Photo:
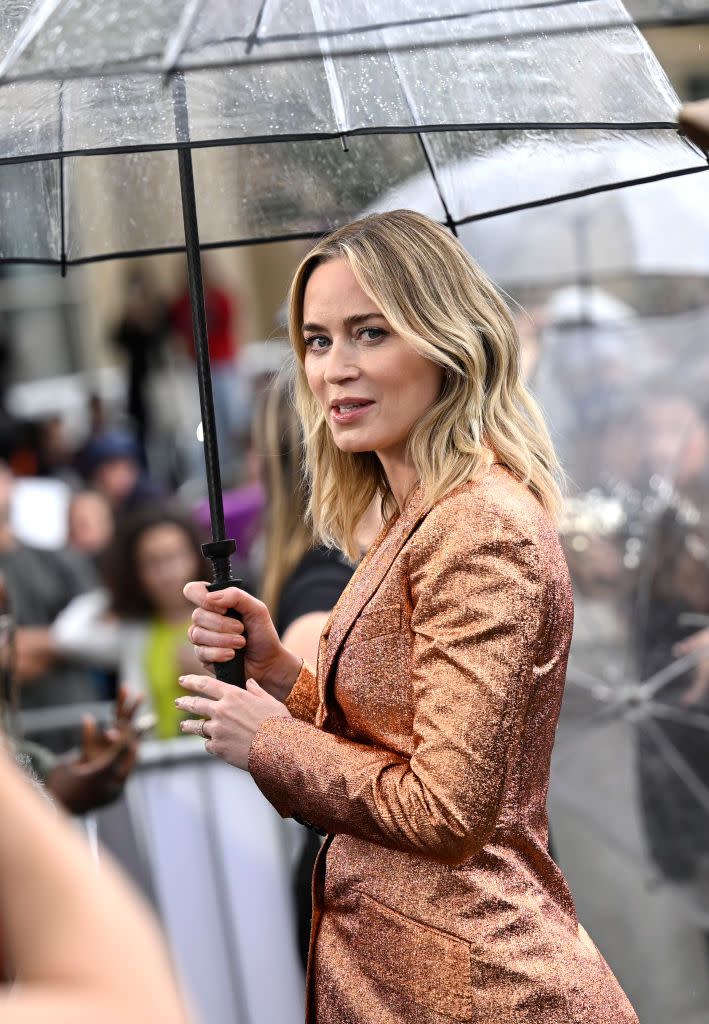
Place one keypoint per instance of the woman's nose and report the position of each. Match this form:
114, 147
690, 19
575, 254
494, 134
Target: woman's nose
339, 365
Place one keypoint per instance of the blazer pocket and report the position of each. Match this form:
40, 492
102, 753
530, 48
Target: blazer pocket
430, 966
376, 623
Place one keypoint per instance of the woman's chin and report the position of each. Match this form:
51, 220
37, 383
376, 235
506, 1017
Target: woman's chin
353, 445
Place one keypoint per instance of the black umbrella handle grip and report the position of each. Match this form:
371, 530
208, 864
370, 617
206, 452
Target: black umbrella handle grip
234, 671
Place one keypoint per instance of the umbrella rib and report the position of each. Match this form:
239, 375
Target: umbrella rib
177, 40
28, 31
674, 760
692, 719
670, 672
409, 100
336, 98
253, 38
579, 193
599, 689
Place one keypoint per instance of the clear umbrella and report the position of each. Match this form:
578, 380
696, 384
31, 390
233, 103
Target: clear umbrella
629, 800
272, 120
289, 148
657, 228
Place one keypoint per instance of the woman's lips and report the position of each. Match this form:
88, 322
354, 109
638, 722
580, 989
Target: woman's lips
351, 414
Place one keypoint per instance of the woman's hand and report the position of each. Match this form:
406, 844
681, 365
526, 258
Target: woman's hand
230, 716
216, 637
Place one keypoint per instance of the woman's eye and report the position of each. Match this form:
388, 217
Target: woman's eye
317, 342
372, 333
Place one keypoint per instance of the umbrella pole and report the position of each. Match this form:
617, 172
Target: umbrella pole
220, 549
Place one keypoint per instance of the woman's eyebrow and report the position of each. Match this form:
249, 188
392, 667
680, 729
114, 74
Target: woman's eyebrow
349, 321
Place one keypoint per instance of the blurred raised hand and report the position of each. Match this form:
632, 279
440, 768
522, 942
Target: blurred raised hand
96, 774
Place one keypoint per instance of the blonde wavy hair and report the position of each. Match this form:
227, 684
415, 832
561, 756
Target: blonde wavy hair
280, 444
435, 296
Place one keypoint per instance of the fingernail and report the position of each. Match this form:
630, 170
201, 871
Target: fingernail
181, 679
178, 702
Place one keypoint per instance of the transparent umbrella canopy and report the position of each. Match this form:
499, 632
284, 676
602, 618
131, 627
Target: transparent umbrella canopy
660, 228
629, 801
125, 125
291, 137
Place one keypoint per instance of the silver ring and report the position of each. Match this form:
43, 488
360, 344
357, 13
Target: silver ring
201, 731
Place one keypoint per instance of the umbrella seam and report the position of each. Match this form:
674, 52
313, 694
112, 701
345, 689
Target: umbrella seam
483, 126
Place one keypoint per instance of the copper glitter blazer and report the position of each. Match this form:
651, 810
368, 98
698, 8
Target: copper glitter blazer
422, 748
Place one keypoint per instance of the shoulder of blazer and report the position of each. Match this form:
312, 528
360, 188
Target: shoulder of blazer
498, 506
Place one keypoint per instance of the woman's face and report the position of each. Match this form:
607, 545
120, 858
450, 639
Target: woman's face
373, 385
165, 561
90, 523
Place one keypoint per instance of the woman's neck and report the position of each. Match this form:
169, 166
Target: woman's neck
400, 473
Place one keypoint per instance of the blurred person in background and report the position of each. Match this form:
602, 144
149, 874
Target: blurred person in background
77, 945
137, 625
84, 779
140, 335
225, 327
90, 524
672, 601
113, 465
581, 374
56, 456
41, 583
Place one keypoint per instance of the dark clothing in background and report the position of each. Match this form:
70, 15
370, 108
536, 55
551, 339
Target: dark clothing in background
143, 347
40, 584
674, 817
314, 585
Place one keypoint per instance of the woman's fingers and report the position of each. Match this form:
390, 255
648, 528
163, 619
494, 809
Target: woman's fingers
216, 622
205, 686
201, 706
209, 638
193, 727
222, 600
210, 655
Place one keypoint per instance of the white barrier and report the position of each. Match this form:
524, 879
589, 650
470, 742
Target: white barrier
213, 856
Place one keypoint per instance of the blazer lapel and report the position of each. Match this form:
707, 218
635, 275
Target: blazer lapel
363, 585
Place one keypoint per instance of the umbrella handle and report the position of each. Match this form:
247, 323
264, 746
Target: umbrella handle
234, 671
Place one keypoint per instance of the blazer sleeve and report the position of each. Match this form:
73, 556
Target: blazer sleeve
477, 597
302, 701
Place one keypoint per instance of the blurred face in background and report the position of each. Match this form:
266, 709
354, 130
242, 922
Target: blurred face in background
117, 478
90, 522
676, 442
372, 384
165, 560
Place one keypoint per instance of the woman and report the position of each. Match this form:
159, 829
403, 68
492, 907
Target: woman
422, 746
138, 626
